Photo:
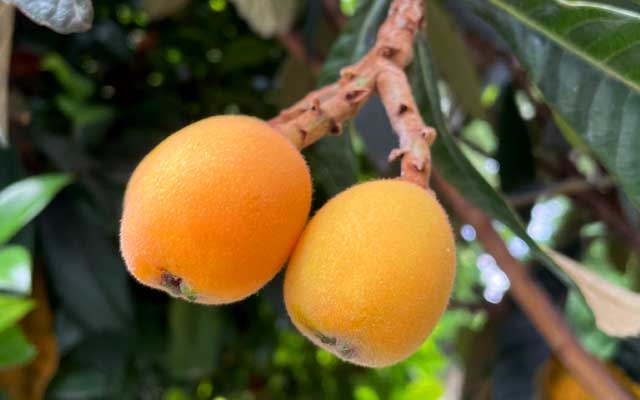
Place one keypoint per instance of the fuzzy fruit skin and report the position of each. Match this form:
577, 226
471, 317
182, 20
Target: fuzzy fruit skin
372, 273
220, 205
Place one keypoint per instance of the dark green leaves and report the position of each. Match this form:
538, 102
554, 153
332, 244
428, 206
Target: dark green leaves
13, 309
22, 201
63, 16
86, 272
195, 339
15, 349
355, 40
450, 161
75, 85
19, 204
584, 59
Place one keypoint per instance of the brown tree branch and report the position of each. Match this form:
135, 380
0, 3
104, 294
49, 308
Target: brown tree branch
607, 211
567, 187
381, 69
313, 98
415, 137
535, 302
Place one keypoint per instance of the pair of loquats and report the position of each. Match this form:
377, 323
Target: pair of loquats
215, 210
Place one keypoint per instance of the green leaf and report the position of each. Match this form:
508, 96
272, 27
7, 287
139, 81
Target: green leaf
12, 309
15, 349
332, 165
12, 170
86, 272
453, 165
90, 121
82, 113
453, 58
356, 38
331, 159
97, 368
24, 200
82, 384
195, 339
245, 52
15, 269
75, 84
583, 56
63, 16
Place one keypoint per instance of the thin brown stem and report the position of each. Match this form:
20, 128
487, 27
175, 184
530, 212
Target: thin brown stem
535, 302
415, 137
567, 187
316, 97
381, 69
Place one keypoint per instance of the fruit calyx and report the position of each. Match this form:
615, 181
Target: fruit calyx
177, 286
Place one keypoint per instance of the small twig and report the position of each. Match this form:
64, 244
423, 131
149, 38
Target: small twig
308, 121
609, 213
568, 187
381, 69
603, 206
415, 136
316, 97
535, 302
473, 146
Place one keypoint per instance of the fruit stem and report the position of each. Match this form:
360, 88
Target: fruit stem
177, 286
381, 71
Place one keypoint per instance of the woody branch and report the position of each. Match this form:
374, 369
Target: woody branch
381, 71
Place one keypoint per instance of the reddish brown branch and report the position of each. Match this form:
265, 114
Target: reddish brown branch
600, 206
535, 303
567, 187
381, 69
316, 97
415, 136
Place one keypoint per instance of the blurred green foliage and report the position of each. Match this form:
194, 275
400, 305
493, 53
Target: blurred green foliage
20, 202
